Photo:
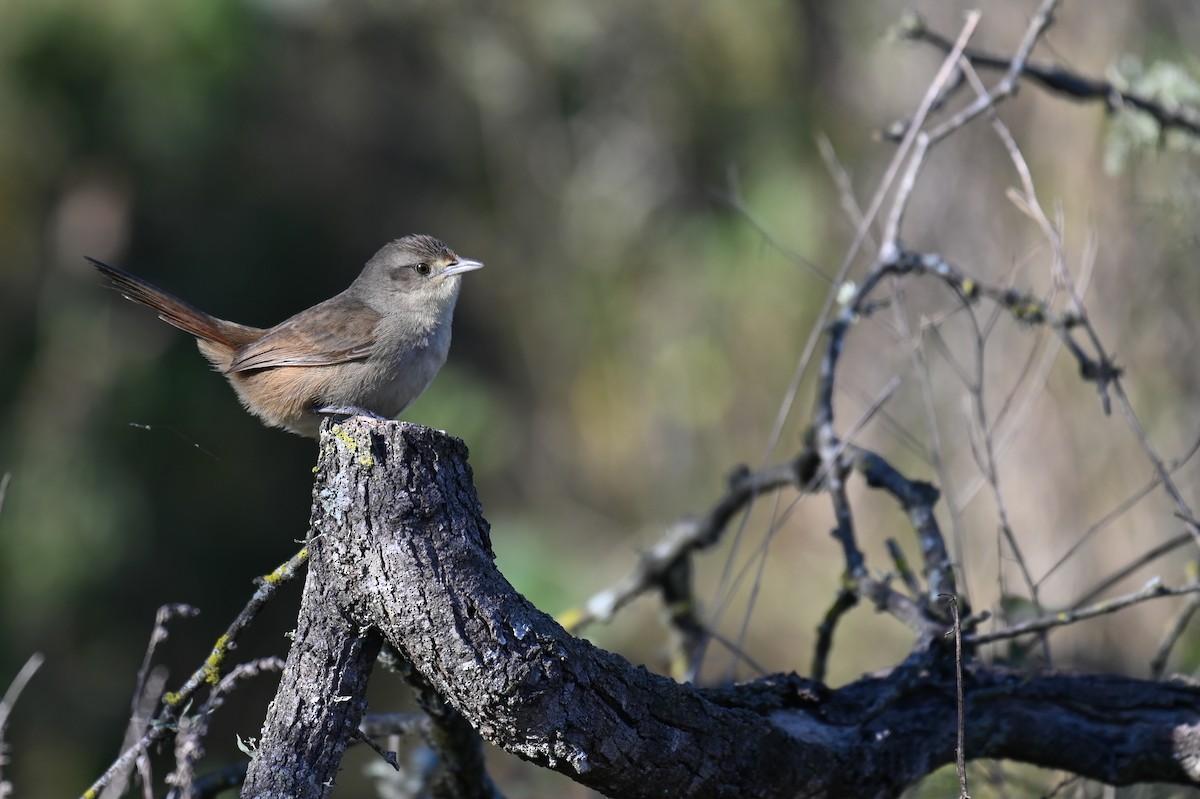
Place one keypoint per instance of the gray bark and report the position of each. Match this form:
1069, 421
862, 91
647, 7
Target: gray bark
401, 553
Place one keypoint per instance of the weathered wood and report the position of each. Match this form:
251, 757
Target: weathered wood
401, 552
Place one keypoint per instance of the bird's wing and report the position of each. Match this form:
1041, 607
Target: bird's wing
342, 335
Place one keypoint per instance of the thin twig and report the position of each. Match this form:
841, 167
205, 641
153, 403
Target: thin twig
935, 450
891, 255
1113, 515
985, 457
458, 747
738, 203
1065, 82
830, 463
12, 694
860, 236
146, 695
4, 481
209, 673
960, 755
158, 634
1102, 371
919, 141
842, 603
150, 684
1166, 547
189, 741
689, 535
739, 653
845, 190
989, 464
827, 441
925, 140
1152, 590
379, 724
1158, 664
221, 780
387, 756
903, 568
1185, 512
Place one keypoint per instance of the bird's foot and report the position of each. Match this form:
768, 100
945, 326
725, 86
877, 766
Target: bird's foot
347, 411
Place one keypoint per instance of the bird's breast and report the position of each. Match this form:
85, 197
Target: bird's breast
405, 367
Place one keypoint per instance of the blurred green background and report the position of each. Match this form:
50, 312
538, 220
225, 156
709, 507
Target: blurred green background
630, 340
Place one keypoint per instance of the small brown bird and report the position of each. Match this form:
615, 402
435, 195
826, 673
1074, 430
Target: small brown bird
370, 350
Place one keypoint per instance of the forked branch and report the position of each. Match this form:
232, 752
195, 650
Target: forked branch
401, 553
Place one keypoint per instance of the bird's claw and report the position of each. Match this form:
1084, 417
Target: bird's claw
350, 410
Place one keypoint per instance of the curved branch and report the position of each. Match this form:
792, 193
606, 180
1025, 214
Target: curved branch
401, 550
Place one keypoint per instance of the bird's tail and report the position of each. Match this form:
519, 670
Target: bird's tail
175, 311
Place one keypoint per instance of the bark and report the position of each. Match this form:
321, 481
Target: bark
400, 551
321, 697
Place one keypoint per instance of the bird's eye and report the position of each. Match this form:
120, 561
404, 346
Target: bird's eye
423, 269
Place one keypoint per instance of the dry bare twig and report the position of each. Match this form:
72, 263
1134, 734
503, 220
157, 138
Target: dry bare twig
146, 694
960, 753
1158, 663
9, 700
193, 727
1059, 80
207, 674
1154, 589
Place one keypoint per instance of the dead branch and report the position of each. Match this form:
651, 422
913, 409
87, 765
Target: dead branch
400, 552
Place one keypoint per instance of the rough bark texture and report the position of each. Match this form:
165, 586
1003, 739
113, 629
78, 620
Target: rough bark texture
321, 697
400, 549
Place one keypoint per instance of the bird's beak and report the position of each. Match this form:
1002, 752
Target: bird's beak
460, 266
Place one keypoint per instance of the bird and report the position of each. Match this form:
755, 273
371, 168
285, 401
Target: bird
370, 350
